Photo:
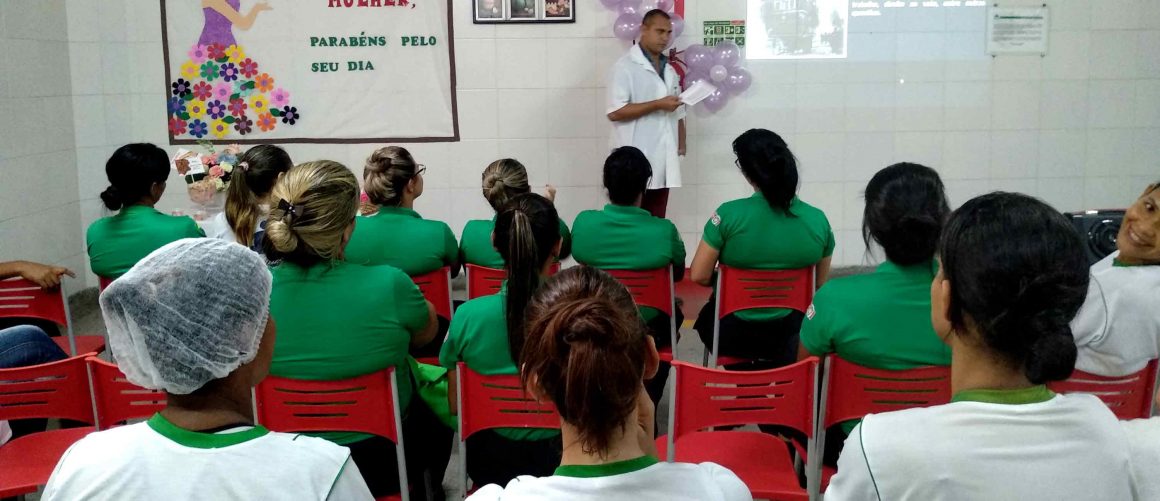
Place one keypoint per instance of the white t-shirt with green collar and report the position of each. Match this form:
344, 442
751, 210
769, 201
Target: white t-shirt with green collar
158, 460
640, 479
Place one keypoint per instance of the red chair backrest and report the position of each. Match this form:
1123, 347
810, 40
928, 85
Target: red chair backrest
117, 400
487, 402
1129, 397
711, 397
483, 281
363, 404
21, 298
54, 390
436, 287
652, 288
739, 289
853, 391
103, 283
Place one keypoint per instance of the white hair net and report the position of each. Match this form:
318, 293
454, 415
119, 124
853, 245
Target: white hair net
191, 312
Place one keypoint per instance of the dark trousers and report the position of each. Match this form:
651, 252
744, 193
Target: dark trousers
432, 349
769, 344
494, 459
428, 444
656, 202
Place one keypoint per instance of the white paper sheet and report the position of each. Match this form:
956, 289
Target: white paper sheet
697, 93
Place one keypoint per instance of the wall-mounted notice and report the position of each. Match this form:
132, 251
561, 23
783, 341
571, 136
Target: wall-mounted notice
1017, 30
720, 31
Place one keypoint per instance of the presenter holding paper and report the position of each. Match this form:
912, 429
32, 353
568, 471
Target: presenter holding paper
645, 110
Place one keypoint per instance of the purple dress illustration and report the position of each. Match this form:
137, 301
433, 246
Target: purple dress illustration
221, 91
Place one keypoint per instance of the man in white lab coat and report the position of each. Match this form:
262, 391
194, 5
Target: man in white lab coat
645, 110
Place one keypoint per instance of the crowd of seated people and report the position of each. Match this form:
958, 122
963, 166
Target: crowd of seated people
999, 290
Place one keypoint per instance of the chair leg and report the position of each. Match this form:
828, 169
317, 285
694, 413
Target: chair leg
705, 359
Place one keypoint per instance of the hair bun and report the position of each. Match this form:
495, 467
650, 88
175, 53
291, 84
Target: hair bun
1052, 357
112, 198
281, 236
1040, 328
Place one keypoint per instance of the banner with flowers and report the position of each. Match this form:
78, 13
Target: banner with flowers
309, 71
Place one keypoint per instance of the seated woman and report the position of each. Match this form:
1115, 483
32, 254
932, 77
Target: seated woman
584, 333
137, 174
204, 444
1117, 330
502, 180
1012, 276
342, 320
882, 320
397, 235
487, 334
771, 230
247, 202
624, 236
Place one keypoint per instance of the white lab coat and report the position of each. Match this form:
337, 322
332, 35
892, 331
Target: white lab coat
635, 80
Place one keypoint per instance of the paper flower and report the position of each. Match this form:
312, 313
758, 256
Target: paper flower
229, 72
176, 105
190, 70
196, 109
216, 109
264, 82
279, 98
267, 122
197, 129
259, 104
202, 91
244, 125
243, 88
209, 71
216, 51
238, 107
232, 150
290, 115
181, 87
198, 54
226, 167
176, 126
218, 184
219, 128
222, 91
216, 171
236, 54
248, 67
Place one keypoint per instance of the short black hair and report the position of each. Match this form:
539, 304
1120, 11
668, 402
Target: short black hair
906, 205
626, 175
1018, 275
648, 16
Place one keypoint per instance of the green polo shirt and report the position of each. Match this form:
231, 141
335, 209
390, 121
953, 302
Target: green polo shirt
623, 237
478, 337
475, 246
117, 242
340, 320
401, 238
751, 235
879, 320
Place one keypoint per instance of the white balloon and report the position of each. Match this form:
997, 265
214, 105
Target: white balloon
718, 73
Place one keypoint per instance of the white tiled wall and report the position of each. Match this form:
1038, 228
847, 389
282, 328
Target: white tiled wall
39, 216
1077, 127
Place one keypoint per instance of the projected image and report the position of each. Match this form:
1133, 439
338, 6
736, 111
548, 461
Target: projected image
797, 29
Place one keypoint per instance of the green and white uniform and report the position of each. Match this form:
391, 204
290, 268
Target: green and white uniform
117, 242
401, 238
475, 246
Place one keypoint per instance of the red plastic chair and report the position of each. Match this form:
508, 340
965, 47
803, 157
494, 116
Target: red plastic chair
53, 390
21, 298
483, 281
655, 289
103, 283
704, 398
487, 402
739, 289
1129, 397
363, 404
436, 287
116, 399
851, 391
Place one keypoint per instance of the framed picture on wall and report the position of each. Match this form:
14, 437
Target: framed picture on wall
524, 11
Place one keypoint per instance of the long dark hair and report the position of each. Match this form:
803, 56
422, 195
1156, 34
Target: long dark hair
253, 179
526, 230
1017, 270
906, 206
766, 161
132, 171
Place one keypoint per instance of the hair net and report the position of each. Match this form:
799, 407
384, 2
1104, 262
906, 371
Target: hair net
191, 312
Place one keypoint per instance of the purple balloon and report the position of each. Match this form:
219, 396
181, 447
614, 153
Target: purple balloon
678, 26
727, 54
627, 27
630, 7
699, 58
718, 74
665, 5
739, 80
611, 4
693, 77
716, 101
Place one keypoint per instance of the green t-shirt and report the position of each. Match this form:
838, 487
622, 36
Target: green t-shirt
751, 235
475, 246
341, 320
478, 337
879, 320
622, 237
117, 242
403, 239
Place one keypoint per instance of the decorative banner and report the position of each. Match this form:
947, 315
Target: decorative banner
720, 31
309, 71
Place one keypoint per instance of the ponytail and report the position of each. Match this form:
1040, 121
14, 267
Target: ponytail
254, 176
769, 165
526, 231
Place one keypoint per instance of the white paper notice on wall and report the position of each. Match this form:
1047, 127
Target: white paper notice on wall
1018, 30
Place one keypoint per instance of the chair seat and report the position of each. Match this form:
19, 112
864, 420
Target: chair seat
727, 360
85, 344
28, 461
666, 354
760, 460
